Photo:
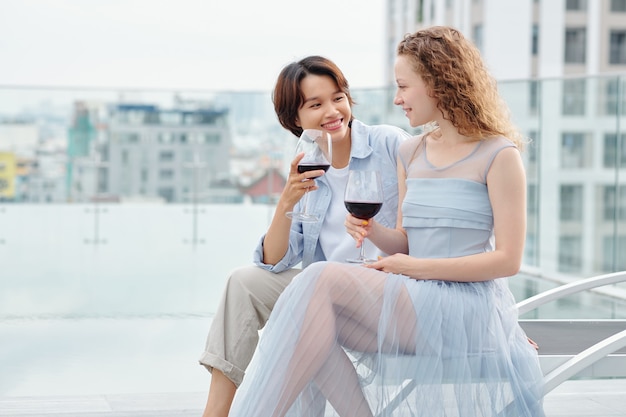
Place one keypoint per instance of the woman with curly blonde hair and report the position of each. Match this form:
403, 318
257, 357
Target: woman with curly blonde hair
438, 311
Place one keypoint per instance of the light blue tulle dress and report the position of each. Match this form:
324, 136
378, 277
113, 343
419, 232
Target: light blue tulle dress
344, 339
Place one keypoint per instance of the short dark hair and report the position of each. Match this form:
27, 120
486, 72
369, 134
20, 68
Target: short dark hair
287, 96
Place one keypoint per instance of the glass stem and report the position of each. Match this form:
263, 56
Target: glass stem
362, 256
305, 201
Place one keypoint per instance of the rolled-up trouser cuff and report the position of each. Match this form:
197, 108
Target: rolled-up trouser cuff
230, 371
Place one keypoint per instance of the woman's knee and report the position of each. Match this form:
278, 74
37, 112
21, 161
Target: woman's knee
316, 271
323, 273
257, 285
317, 268
244, 276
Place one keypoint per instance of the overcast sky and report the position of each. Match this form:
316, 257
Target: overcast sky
204, 44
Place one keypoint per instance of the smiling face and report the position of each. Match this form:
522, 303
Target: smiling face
325, 107
412, 95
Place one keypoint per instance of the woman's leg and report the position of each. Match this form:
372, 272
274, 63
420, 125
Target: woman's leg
345, 307
246, 303
221, 394
339, 383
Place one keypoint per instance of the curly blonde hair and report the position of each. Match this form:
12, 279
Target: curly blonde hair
454, 73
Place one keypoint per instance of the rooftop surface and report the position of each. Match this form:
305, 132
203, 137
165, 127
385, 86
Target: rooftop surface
576, 398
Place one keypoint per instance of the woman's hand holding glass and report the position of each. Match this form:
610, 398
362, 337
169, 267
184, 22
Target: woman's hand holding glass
359, 229
298, 183
313, 154
363, 199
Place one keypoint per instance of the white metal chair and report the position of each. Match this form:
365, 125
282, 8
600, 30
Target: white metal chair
567, 348
579, 347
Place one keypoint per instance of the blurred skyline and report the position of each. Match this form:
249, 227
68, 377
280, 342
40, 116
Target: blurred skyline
228, 45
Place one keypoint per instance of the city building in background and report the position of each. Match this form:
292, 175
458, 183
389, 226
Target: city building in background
7, 176
523, 39
173, 154
19, 142
81, 172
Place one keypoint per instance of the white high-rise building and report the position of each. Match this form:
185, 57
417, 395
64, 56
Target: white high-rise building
522, 39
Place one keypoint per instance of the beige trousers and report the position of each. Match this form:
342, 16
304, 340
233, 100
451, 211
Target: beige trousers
245, 307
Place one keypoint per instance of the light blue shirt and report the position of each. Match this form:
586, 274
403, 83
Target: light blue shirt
373, 148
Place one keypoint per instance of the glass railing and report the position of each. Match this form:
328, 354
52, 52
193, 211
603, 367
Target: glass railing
139, 202
575, 162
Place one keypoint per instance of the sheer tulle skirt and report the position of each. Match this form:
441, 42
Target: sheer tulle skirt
343, 339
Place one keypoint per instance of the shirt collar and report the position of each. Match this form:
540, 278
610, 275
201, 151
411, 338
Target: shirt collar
360, 147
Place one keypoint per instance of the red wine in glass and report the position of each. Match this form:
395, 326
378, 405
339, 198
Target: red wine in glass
363, 210
312, 167
317, 148
363, 199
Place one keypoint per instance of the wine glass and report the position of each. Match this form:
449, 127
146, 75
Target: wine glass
318, 154
363, 199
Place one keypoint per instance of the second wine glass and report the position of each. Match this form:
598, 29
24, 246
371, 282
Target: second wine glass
363, 199
318, 154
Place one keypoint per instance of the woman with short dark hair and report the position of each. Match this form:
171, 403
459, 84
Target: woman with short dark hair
309, 94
